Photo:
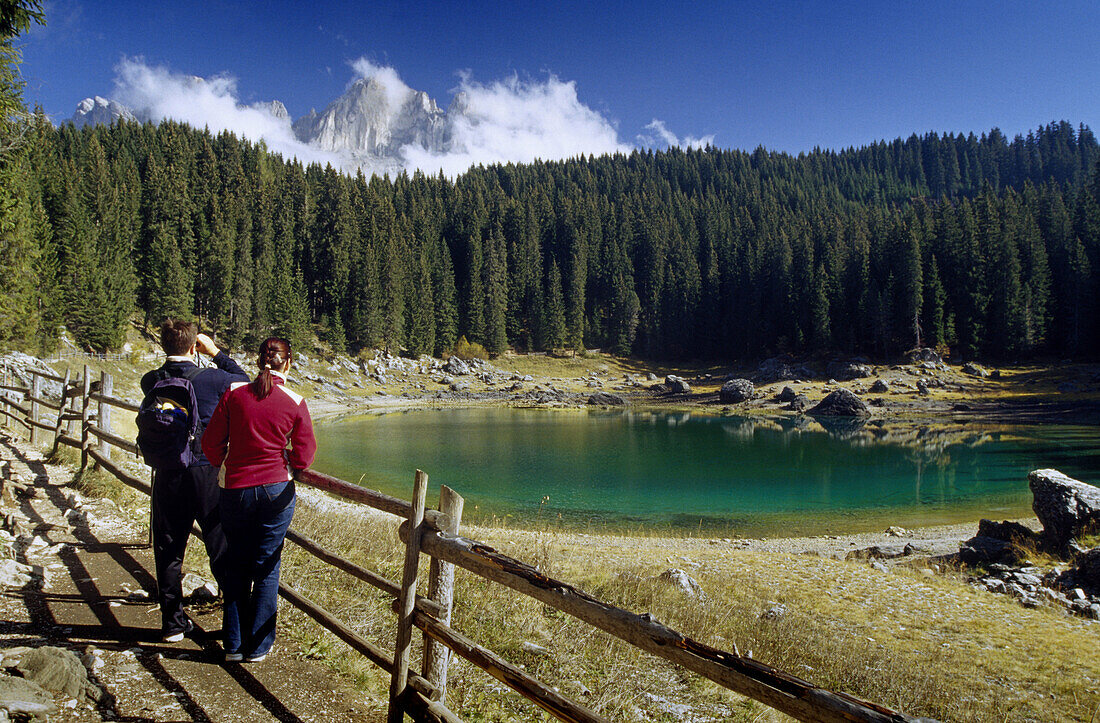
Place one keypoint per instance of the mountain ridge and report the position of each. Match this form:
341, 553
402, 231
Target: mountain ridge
369, 125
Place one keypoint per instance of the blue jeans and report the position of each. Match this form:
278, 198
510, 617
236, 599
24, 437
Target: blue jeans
255, 520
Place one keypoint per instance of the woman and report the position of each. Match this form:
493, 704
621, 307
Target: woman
247, 438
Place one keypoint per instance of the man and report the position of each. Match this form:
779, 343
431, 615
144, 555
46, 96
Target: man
180, 497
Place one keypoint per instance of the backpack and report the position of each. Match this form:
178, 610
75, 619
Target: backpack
168, 422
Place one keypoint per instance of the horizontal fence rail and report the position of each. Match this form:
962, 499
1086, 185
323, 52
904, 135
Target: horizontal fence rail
434, 533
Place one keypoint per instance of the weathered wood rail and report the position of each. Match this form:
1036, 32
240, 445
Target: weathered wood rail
434, 533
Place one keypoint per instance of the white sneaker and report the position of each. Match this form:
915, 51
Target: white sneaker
178, 637
233, 657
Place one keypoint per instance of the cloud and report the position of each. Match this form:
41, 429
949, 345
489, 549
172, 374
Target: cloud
661, 137
157, 93
518, 121
396, 90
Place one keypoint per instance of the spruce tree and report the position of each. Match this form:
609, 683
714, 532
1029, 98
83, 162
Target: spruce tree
421, 337
496, 292
289, 307
553, 325
446, 300
474, 296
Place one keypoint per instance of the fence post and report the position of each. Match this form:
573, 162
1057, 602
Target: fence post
441, 588
103, 411
73, 408
85, 407
4, 395
406, 602
36, 392
61, 413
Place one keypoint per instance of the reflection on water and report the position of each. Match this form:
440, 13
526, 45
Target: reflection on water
842, 427
726, 475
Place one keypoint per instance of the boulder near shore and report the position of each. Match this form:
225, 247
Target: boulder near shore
1067, 507
1068, 510
841, 403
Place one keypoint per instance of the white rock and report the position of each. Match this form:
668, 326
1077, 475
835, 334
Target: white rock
192, 583
17, 575
682, 582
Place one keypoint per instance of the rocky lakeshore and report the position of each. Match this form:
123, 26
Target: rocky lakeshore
840, 396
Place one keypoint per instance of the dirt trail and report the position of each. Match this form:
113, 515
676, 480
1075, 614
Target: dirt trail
93, 558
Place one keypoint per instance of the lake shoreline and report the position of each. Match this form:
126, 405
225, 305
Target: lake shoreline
914, 397
927, 541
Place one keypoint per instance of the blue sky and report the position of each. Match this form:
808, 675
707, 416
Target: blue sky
786, 75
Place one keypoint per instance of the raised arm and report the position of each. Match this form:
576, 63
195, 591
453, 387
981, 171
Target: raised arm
221, 360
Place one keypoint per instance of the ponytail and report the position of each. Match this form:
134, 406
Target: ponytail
274, 354
263, 384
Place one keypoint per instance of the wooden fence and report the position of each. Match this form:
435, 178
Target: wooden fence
80, 417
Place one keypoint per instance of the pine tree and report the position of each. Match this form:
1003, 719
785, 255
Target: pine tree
393, 290
421, 337
97, 270
496, 292
272, 229
553, 325
242, 291
21, 240
474, 297
820, 325
908, 284
446, 300
1079, 299
289, 307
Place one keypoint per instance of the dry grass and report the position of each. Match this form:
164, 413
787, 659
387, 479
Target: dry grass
928, 645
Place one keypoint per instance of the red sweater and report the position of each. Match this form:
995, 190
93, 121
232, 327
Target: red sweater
247, 437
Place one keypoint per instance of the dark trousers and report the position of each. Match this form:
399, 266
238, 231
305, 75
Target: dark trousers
256, 520
180, 498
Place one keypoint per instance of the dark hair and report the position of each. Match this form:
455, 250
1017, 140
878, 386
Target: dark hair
274, 352
177, 337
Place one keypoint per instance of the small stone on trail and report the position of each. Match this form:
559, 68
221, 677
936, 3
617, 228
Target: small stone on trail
24, 700
60, 670
15, 574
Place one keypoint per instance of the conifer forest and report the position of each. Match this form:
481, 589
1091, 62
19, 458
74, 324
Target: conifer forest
980, 245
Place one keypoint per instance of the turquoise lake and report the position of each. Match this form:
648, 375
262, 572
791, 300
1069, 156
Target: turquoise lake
688, 474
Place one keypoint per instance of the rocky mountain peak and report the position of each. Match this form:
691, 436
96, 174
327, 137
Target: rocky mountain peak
375, 119
96, 110
274, 107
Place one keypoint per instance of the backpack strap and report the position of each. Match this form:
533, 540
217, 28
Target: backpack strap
191, 373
